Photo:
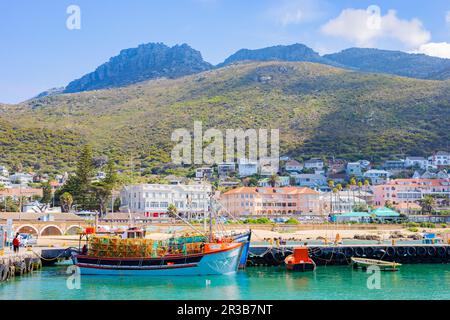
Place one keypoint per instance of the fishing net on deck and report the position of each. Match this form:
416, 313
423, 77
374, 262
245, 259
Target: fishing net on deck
116, 247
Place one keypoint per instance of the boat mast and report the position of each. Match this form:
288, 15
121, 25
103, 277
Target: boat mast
210, 217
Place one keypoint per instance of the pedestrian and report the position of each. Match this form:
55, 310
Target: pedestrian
16, 243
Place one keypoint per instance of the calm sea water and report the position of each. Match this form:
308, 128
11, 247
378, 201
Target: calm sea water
412, 282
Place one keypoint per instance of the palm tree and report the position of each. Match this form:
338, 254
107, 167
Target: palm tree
427, 203
66, 201
273, 180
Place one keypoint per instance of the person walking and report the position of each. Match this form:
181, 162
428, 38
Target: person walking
16, 243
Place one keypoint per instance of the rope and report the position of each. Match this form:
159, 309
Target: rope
52, 259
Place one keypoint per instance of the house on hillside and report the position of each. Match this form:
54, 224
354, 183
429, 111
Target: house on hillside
226, 168
418, 162
314, 164
354, 169
313, 181
377, 176
247, 168
293, 166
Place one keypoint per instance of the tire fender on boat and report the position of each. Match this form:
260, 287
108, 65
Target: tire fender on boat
349, 252
411, 251
431, 251
441, 251
401, 251
390, 251
369, 251
359, 252
421, 251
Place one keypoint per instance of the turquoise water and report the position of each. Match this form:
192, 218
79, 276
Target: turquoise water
411, 282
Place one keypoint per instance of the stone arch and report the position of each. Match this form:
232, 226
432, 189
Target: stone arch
74, 229
51, 230
27, 228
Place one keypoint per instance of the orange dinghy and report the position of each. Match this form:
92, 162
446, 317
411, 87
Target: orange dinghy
300, 260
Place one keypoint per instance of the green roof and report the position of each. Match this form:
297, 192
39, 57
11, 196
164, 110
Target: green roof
385, 212
354, 214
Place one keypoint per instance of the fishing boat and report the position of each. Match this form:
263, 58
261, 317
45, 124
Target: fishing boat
190, 255
300, 260
383, 265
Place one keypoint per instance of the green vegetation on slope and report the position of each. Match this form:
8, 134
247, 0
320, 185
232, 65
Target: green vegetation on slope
320, 111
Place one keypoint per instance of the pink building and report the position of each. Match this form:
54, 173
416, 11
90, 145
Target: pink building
409, 190
271, 201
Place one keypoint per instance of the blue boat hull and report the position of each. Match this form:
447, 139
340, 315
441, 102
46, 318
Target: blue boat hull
244, 238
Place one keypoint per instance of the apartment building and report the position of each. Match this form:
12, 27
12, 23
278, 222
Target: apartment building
409, 190
271, 201
154, 199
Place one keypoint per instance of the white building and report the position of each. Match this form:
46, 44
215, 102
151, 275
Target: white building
354, 169
21, 178
247, 168
314, 163
340, 202
309, 180
4, 181
377, 176
419, 162
4, 171
204, 173
154, 199
226, 168
441, 158
293, 166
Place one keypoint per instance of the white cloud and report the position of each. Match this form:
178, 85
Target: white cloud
435, 49
367, 30
447, 17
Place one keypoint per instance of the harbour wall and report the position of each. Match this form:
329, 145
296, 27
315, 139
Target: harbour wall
341, 255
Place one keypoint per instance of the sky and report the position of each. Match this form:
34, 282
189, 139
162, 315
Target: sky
46, 44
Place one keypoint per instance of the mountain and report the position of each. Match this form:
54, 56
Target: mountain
295, 52
443, 74
156, 60
50, 92
147, 61
320, 111
391, 62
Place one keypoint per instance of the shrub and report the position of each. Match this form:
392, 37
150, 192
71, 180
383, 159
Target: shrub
413, 229
292, 221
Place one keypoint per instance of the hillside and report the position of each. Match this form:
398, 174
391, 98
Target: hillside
148, 61
320, 110
392, 62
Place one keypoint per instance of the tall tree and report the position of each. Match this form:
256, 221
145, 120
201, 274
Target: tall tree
79, 185
46, 193
102, 190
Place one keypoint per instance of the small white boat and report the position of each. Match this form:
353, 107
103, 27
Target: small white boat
383, 265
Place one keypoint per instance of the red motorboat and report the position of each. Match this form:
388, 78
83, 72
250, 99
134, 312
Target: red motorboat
300, 260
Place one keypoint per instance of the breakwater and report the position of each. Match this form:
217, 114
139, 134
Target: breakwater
261, 255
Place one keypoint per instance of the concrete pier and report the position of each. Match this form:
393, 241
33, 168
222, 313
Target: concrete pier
18, 264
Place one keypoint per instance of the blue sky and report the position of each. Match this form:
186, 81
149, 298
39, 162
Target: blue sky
39, 52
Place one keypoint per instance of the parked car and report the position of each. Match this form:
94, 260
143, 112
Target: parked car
27, 239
